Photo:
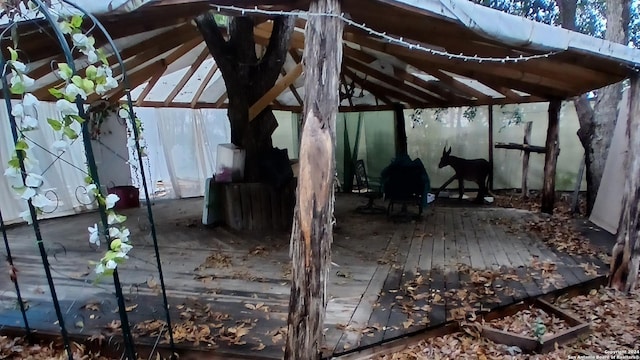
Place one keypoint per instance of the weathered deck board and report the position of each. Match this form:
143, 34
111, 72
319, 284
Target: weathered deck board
390, 279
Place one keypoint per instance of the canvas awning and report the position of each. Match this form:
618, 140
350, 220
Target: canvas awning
450, 60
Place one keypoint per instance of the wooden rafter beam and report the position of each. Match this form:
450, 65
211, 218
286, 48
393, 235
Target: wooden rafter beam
276, 90
399, 84
498, 71
147, 89
203, 85
375, 90
221, 100
292, 88
204, 54
440, 94
362, 107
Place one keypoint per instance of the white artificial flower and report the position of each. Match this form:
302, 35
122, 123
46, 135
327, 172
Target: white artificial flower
12, 172
19, 66
112, 218
125, 248
81, 40
17, 111
30, 100
60, 145
91, 188
114, 233
72, 91
99, 268
30, 163
92, 57
28, 193
28, 123
123, 113
41, 201
94, 235
124, 235
26, 216
25, 80
66, 108
65, 27
105, 71
33, 180
131, 143
111, 264
111, 200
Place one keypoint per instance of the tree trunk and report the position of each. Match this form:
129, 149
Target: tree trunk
626, 252
551, 158
312, 231
248, 78
598, 123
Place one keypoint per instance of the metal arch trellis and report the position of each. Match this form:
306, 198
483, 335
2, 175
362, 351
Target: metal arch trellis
126, 330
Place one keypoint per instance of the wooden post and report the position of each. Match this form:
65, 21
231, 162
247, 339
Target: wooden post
625, 257
312, 231
401, 132
551, 156
491, 147
525, 159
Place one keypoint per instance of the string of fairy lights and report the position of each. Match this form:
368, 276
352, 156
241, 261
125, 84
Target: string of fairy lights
383, 35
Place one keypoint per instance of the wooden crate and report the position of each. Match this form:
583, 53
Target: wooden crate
530, 344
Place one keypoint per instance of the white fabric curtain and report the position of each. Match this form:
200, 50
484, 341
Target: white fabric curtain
182, 147
64, 175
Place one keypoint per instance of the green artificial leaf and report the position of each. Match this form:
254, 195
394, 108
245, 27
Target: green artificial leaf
76, 21
14, 54
70, 133
87, 86
56, 93
55, 124
77, 81
91, 72
65, 69
77, 118
14, 162
18, 88
115, 244
22, 145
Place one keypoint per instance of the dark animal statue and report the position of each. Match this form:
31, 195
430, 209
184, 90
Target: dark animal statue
476, 170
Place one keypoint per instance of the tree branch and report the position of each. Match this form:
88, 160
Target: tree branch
277, 49
217, 45
242, 40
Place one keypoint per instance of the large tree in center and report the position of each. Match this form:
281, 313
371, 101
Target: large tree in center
248, 77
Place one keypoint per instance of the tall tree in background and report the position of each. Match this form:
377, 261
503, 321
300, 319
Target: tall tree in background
248, 77
597, 123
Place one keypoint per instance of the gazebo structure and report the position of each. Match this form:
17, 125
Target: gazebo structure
416, 53
420, 54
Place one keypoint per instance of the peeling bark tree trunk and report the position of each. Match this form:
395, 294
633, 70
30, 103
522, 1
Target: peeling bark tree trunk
625, 258
598, 123
551, 158
248, 78
312, 232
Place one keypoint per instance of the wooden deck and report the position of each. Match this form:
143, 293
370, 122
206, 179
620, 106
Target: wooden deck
229, 291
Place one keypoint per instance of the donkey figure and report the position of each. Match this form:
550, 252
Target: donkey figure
476, 170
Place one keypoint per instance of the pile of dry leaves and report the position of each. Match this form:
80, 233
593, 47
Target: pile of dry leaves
557, 231
614, 326
19, 348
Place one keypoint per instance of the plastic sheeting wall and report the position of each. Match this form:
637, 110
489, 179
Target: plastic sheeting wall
469, 138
